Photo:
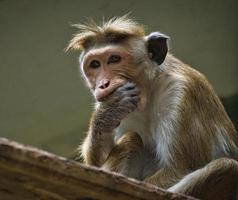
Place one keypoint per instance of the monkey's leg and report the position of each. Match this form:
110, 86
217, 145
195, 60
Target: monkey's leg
126, 150
164, 178
217, 180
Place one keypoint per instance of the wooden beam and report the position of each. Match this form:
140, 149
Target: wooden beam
30, 173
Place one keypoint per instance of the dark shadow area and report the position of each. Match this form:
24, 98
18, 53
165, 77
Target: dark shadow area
231, 105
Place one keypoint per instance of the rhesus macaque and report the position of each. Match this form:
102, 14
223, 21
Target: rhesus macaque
156, 119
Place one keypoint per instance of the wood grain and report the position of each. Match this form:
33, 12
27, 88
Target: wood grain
30, 173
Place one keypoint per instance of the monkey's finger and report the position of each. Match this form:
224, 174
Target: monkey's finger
130, 102
133, 93
130, 86
127, 86
135, 100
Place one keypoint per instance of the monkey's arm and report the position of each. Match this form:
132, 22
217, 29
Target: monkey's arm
100, 139
96, 146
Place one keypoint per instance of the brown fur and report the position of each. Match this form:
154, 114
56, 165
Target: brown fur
209, 111
128, 146
195, 129
114, 30
218, 180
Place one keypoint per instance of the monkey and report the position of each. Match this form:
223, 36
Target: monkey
156, 119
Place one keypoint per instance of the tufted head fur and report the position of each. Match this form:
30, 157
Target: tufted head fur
115, 30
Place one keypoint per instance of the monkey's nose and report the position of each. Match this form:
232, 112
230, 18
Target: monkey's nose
104, 83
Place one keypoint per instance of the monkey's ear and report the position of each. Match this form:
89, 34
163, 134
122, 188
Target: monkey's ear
157, 46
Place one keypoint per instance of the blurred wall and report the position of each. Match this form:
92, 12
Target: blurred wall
43, 100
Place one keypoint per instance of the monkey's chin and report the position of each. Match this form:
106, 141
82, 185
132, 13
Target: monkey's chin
102, 94
102, 97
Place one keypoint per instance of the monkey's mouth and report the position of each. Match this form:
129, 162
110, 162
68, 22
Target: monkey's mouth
102, 94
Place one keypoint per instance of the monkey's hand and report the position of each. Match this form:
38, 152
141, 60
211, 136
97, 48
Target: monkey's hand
116, 107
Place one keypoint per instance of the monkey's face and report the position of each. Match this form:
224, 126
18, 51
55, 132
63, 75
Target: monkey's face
117, 52
107, 68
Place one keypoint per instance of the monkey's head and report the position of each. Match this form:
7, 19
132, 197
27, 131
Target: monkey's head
117, 52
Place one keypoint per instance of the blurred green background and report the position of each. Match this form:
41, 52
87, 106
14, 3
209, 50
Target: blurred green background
43, 100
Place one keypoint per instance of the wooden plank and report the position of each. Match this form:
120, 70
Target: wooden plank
30, 173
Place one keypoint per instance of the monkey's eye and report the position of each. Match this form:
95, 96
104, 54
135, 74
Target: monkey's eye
95, 64
114, 59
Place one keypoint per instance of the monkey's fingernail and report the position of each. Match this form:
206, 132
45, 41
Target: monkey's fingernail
130, 84
130, 87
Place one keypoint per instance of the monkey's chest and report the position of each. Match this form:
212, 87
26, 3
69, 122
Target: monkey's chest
147, 163
136, 122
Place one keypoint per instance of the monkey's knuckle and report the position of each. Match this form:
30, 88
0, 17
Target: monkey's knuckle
137, 91
136, 99
131, 106
130, 84
125, 101
120, 89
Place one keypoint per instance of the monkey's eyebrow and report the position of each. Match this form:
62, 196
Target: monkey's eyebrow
116, 37
109, 49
